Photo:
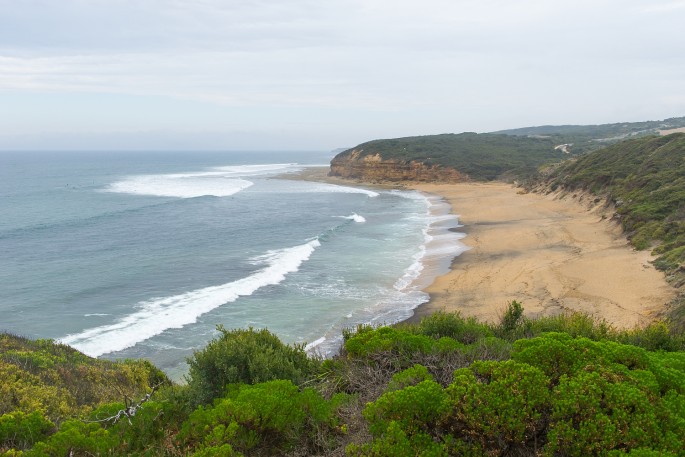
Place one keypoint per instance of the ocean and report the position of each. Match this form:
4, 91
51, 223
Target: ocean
128, 255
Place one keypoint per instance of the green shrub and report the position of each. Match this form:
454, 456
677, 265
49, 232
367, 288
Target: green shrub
490, 348
409, 377
224, 450
657, 336
245, 356
598, 411
512, 318
270, 417
454, 326
416, 408
498, 404
388, 339
669, 370
77, 438
573, 323
396, 443
19, 430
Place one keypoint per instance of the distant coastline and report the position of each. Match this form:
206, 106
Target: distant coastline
550, 253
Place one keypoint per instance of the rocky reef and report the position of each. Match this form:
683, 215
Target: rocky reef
353, 164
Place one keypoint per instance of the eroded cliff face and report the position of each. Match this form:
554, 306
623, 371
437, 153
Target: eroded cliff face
372, 168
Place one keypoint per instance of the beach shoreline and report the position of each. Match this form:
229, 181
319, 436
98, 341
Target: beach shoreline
552, 253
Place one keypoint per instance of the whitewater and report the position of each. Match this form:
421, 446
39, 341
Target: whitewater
142, 255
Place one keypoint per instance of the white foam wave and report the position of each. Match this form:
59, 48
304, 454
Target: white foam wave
314, 344
355, 217
440, 245
221, 182
182, 186
413, 272
157, 315
316, 187
259, 170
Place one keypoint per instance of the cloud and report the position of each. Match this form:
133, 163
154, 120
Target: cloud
396, 66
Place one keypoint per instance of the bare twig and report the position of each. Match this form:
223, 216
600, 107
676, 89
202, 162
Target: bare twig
130, 409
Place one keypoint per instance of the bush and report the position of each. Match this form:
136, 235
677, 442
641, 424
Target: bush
77, 438
388, 339
512, 318
396, 443
269, 418
19, 430
498, 405
244, 356
656, 336
598, 411
556, 354
409, 377
453, 325
416, 409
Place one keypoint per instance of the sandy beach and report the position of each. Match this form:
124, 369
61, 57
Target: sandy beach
552, 254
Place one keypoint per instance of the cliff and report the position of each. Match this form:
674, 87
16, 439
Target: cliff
373, 168
446, 158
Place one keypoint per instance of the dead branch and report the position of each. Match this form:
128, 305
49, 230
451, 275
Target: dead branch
131, 408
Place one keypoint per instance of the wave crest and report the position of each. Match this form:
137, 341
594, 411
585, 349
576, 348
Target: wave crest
159, 314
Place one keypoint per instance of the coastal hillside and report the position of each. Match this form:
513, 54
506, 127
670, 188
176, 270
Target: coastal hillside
645, 180
505, 155
448, 157
586, 138
44, 385
563, 385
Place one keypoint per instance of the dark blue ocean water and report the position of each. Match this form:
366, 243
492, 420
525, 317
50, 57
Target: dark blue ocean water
143, 254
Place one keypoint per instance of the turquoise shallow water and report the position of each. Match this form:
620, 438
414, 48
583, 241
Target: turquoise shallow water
142, 255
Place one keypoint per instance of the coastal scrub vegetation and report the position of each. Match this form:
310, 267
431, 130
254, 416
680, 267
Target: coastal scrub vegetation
587, 138
449, 385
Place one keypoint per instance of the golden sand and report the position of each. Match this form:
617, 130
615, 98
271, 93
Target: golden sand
550, 253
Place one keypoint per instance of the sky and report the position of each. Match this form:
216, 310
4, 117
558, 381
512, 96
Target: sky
325, 74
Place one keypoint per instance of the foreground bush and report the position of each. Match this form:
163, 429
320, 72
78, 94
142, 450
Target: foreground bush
559, 386
269, 418
558, 396
245, 356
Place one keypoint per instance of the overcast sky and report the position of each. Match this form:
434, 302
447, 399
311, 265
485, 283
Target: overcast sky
322, 74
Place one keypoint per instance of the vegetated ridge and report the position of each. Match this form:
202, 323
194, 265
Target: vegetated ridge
505, 155
586, 138
563, 385
448, 157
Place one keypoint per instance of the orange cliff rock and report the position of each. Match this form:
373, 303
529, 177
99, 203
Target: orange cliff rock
373, 168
